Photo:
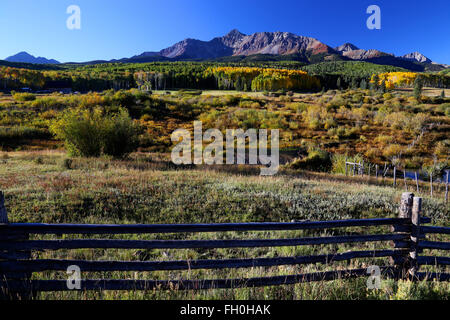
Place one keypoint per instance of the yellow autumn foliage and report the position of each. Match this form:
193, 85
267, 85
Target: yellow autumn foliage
395, 79
266, 79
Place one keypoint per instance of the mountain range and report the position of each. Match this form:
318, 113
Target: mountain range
28, 58
268, 44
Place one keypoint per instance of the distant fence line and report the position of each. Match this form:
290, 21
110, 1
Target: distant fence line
362, 168
407, 235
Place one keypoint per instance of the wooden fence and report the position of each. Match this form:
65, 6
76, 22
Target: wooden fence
406, 236
364, 168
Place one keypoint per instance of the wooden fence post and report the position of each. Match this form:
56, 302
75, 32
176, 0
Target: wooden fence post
417, 182
3, 220
3, 213
431, 184
13, 255
446, 186
415, 235
406, 205
395, 176
404, 180
400, 262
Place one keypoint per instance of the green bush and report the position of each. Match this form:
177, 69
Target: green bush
46, 103
14, 134
82, 131
120, 135
444, 108
338, 162
91, 133
22, 97
316, 160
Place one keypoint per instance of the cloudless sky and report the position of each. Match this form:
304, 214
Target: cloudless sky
116, 29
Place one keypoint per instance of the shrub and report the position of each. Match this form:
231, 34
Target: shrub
317, 159
25, 96
249, 104
442, 148
46, 103
120, 135
39, 160
338, 162
66, 164
82, 131
414, 163
392, 150
90, 133
124, 98
383, 139
329, 123
387, 96
14, 134
298, 107
444, 108
372, 153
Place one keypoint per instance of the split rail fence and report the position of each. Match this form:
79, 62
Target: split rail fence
407, 236
362, 168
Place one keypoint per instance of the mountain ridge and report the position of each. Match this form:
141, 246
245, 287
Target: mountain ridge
25, 57
236, 43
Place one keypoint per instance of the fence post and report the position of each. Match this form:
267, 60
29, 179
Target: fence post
406, 205
395, 176
3, 213
404, 179
415, 235
346, 167
13, 255
431, 184
446, 186
3, 221
400, 262
417, 182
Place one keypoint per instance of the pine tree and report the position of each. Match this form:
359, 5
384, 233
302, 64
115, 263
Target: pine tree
338, 83
375, 82
383, 86
418, 87
363, 84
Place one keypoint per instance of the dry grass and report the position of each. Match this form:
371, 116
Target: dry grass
39, 188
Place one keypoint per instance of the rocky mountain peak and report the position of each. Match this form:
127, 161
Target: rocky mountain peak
232, 38
346, 47
416, 56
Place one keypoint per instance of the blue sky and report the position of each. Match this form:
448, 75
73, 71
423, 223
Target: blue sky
116, 29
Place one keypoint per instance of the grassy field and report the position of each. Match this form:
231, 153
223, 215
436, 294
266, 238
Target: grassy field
378, 127
45, 186
429, 92
317, 132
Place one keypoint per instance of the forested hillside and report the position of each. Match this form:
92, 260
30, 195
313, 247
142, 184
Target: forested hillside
198, 75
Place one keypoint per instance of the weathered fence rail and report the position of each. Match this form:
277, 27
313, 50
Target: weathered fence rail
406, 234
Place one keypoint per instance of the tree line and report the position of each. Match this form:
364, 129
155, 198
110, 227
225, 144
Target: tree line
269, 76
